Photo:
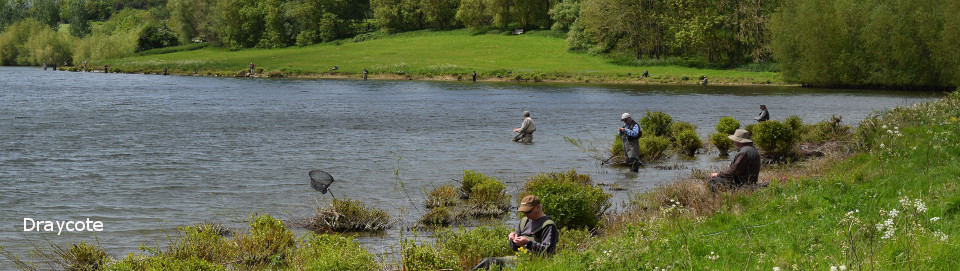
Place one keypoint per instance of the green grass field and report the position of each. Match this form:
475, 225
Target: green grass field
434, 55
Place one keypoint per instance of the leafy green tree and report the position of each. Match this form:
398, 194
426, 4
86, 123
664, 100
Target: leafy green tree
532, 13
155, 36
47, 12
190, 19
473, 14
75, 12
564, 14
240, 23
276, 31
865, 43
331, 27
635, 26
398, 15
12, 11
99, 10
439, 14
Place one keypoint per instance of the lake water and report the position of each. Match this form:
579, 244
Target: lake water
147, 153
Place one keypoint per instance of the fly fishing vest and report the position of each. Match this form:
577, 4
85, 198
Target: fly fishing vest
535, 233
629, 126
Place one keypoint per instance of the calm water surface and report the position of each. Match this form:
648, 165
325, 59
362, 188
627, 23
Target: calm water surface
145, 153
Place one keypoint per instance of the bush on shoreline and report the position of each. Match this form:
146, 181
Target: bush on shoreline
569, 198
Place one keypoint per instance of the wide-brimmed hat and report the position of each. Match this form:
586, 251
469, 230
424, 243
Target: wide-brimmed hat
741, 135
528, 203
625, 116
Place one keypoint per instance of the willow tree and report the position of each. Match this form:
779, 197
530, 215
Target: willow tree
637, 26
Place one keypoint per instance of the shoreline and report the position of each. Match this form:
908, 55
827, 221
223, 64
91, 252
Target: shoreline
526, 77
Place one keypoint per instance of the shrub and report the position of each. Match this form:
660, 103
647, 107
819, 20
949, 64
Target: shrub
471, 246
678, 127
269, 242
656, 123
167, 263
827, 130
349, 215
775, 138
444, 195
438, 216
795, 123
333, 252
202, 241
489, 198
486, 195
722, 142
470, 180
728, 125
569, 198
83, 256
652, 147
688, 141
426, 257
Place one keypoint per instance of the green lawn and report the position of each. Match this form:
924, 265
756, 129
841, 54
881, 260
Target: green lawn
428, 54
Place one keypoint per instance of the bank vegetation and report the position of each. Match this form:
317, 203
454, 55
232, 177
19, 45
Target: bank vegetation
848, 43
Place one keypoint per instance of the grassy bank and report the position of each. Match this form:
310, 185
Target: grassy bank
893, 206
447, 55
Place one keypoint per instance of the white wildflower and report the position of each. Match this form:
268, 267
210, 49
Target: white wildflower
776, 268
940, 235
921, 208
882, 146
889, 132
833, 268
884, 126
843, 268
894, 213
935, 219
888, 234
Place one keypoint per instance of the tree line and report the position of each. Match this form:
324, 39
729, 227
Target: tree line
816, 42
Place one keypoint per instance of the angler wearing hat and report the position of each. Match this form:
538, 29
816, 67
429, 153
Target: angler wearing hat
744, 169
536, 233
526, 129
630, 136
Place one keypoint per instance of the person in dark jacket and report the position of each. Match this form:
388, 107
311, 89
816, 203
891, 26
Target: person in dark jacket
764, 114
536, 233
630, 136
743, 170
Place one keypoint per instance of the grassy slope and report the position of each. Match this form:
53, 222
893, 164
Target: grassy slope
804, 222
431, 54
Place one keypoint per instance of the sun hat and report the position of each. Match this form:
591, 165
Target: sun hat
526, 113
741, 135
625, 116
528, 203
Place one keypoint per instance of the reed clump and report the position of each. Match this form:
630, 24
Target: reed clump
486, 196
349, 215
440, 196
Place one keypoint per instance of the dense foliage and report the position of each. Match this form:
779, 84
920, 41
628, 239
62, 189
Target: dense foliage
868, 42
818, 42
